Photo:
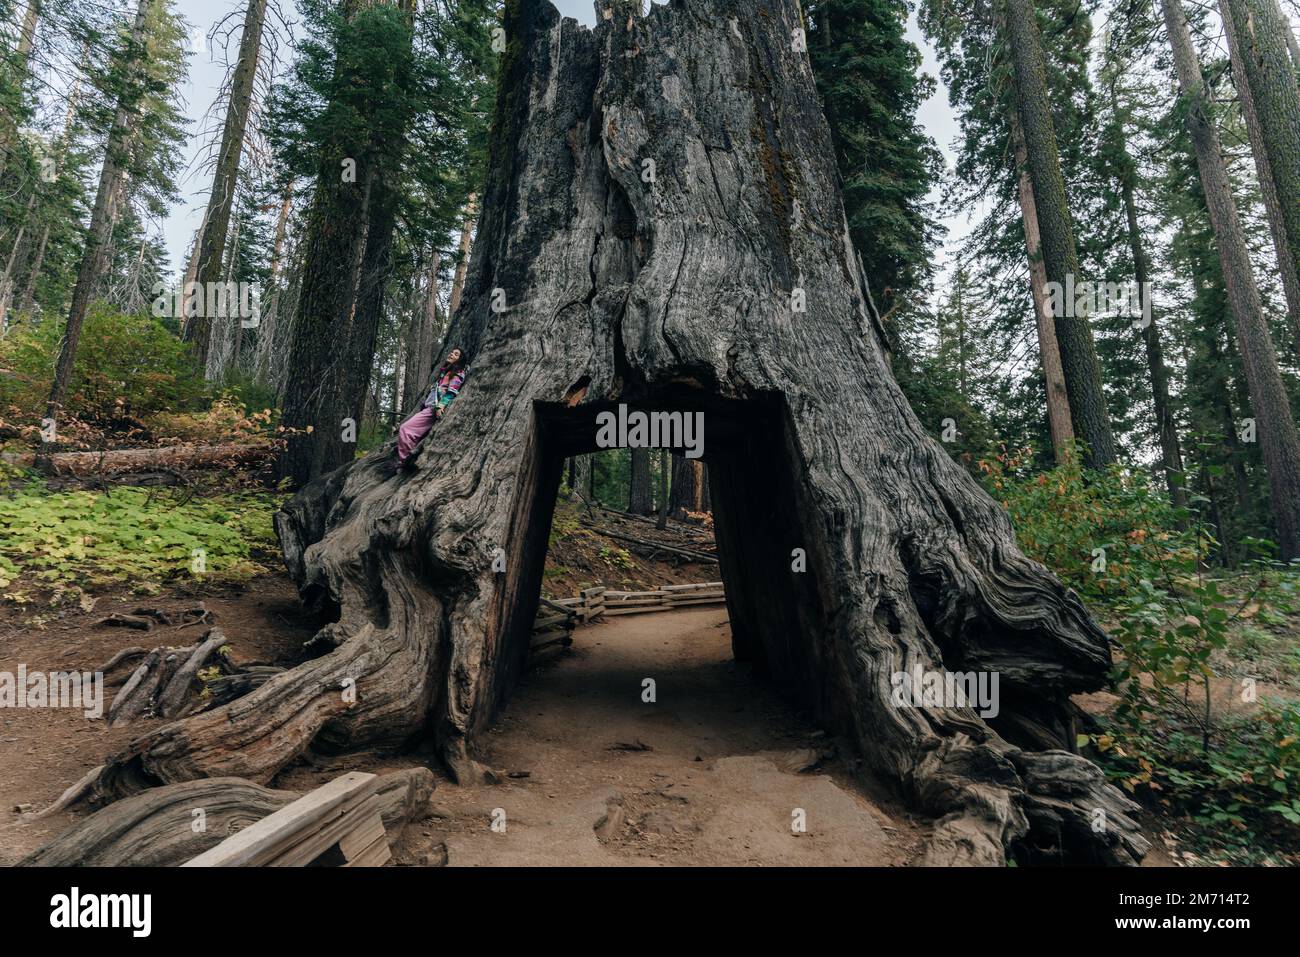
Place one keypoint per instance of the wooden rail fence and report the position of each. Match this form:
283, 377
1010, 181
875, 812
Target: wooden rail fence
556, 620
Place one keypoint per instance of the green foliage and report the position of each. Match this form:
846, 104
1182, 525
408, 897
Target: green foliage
129, 535
1064, 515
1186, 733
129, 365
869, 79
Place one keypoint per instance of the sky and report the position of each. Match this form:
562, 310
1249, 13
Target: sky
206, 73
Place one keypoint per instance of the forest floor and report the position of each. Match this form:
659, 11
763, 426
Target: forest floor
714, 771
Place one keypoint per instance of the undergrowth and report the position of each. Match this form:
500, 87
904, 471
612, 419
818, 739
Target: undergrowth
128, 535
1206, 723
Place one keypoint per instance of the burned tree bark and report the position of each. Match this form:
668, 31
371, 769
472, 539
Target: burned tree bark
671, 285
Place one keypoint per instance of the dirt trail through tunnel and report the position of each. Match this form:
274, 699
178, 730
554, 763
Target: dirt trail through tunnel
711, 772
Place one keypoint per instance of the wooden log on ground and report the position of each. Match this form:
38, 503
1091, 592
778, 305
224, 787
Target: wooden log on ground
175, 695
686, 553
160, 827
181, 457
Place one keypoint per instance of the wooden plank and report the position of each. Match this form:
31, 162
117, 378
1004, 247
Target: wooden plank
363, 837
544, 623
691, 587
376, 855
265, 838
312, 844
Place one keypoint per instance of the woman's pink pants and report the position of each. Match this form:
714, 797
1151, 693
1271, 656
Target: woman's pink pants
410, 432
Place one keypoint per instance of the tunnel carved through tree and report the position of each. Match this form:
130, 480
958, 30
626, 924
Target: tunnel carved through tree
718, 277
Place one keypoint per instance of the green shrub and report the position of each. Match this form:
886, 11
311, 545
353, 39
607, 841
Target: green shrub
1101, 532
127, 367
1183, 634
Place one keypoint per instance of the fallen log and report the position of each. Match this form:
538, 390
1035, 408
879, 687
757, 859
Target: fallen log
160, 827
116, 461
163, 684
647, 543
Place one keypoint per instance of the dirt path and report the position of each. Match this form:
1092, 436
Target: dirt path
709, 773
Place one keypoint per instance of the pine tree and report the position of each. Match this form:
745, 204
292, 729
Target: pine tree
1269, 404
870, 83
1060, 254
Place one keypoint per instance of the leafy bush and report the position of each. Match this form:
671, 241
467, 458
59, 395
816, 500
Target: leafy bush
1101, 532
127, 366
1183, 635
226, 420
130, 535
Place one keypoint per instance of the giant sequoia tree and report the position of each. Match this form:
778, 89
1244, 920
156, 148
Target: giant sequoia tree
598, 279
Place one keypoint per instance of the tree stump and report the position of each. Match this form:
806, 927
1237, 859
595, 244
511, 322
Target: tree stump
663, 227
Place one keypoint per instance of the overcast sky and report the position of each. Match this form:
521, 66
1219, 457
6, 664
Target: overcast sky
206, 74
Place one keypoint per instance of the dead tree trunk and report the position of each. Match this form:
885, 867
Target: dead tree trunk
225, 179
674, 292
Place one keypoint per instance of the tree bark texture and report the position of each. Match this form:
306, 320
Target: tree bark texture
1265, 78
1269, 65
1060, 256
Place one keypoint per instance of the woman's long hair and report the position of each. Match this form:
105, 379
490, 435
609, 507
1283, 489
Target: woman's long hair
458, 366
